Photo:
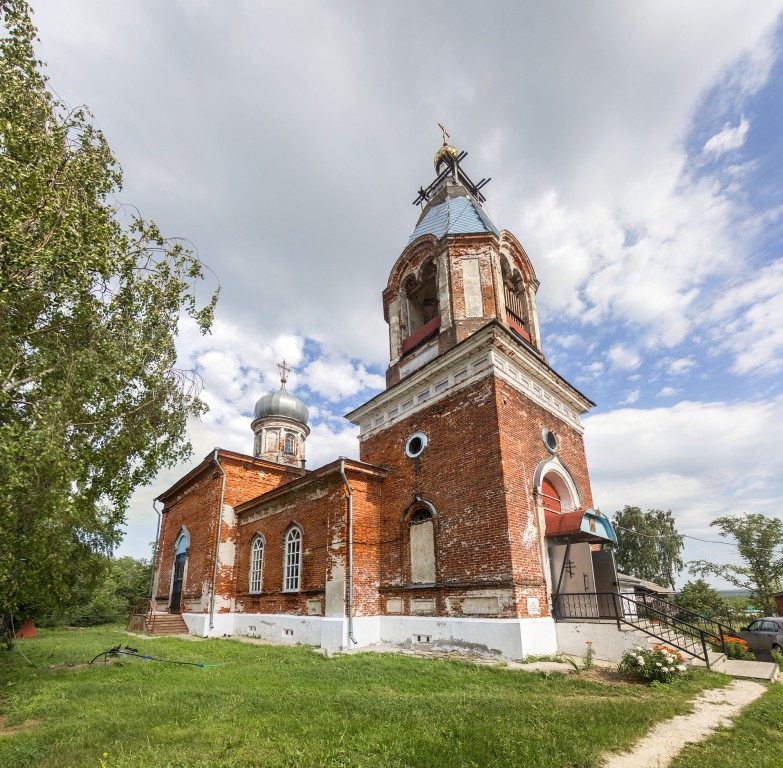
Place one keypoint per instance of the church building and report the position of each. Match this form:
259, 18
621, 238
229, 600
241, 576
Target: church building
470, 506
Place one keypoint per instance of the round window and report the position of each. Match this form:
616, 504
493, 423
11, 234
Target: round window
416, 445
550, 441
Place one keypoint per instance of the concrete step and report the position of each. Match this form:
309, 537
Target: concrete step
757, 670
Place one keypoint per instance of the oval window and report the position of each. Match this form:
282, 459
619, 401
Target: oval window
550, 441
416, 445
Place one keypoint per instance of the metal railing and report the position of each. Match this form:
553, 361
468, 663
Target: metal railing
142, 617
655, 616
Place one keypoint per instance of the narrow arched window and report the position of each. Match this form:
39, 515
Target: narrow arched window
293, 560
290, 444
257, 565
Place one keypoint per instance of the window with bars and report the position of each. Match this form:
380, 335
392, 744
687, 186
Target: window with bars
257, 565
293, 560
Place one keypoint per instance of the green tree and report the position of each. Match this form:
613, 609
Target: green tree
91, 402
759, 540
700, 597
648, 545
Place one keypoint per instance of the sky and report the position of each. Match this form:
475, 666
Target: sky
635, 151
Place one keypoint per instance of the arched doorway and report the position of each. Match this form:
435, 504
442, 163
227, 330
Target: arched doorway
180, 557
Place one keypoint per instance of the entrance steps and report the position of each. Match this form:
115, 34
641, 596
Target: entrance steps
158, 624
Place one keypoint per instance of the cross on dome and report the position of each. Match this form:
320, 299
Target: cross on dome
284, 371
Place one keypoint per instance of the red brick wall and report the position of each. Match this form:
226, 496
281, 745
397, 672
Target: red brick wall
477, 470
195, 506
320, 508
460, 473
521, 423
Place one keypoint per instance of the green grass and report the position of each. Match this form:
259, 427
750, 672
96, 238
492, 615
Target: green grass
755, 739
275, 706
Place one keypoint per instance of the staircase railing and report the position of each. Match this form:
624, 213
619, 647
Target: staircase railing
655, 616
145, 608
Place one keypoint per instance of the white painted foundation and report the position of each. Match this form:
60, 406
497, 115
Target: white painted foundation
499, 638
609, 642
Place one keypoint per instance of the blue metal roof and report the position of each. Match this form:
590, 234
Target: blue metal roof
454, 216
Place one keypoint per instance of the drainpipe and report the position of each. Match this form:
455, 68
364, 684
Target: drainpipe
157, 547
350, 551
217, 542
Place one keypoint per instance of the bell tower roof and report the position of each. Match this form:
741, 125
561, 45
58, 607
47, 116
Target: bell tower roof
451, 205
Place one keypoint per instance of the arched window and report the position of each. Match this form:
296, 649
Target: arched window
293, 560
183, 542
290, 444
422, 297
517, 311
257, 565
422, 547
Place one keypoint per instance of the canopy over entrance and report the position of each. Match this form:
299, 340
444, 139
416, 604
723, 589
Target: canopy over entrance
580, 525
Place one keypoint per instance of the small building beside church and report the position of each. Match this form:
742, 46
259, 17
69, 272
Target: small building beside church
470, 509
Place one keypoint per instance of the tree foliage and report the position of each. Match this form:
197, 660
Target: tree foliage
698, 596
648, 545
759, 540
91, 402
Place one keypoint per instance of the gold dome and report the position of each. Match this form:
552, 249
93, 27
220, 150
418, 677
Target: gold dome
445, 154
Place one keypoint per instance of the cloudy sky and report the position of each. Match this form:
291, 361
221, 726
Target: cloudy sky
635, 150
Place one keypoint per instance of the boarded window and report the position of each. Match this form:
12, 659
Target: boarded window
422, 548
550, 497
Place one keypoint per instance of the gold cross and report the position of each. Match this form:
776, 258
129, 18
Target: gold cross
445, 132
284, 371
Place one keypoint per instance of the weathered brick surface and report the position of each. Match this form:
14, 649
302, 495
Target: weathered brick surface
194, 505
320, 508
477, 470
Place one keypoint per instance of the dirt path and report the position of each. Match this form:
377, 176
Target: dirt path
712, 708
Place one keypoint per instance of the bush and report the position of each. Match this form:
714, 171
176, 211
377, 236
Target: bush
736, 648
660, 665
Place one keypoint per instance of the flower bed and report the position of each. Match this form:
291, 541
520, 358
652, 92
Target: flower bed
736, 648
661, 664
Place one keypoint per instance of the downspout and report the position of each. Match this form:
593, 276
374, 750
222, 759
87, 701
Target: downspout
217, 542
350, 551
157, 548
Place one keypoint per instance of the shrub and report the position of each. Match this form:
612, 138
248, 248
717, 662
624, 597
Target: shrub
660, 665
736, 648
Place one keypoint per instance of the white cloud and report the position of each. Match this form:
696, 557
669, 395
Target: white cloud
680, 366
697, 459
728, 139
337, 379
632, 397
668, 392
622, 358
750, 323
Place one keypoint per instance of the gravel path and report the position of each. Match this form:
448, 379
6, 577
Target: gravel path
711, 709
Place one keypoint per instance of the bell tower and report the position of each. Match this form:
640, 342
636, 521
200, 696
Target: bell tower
457, 273
482, 438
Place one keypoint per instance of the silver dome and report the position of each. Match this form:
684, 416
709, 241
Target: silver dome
282, 404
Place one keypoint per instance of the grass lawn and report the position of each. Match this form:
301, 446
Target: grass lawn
754, 741
273, 706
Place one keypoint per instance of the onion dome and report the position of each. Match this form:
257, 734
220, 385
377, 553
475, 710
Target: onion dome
445, 154
282, 404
